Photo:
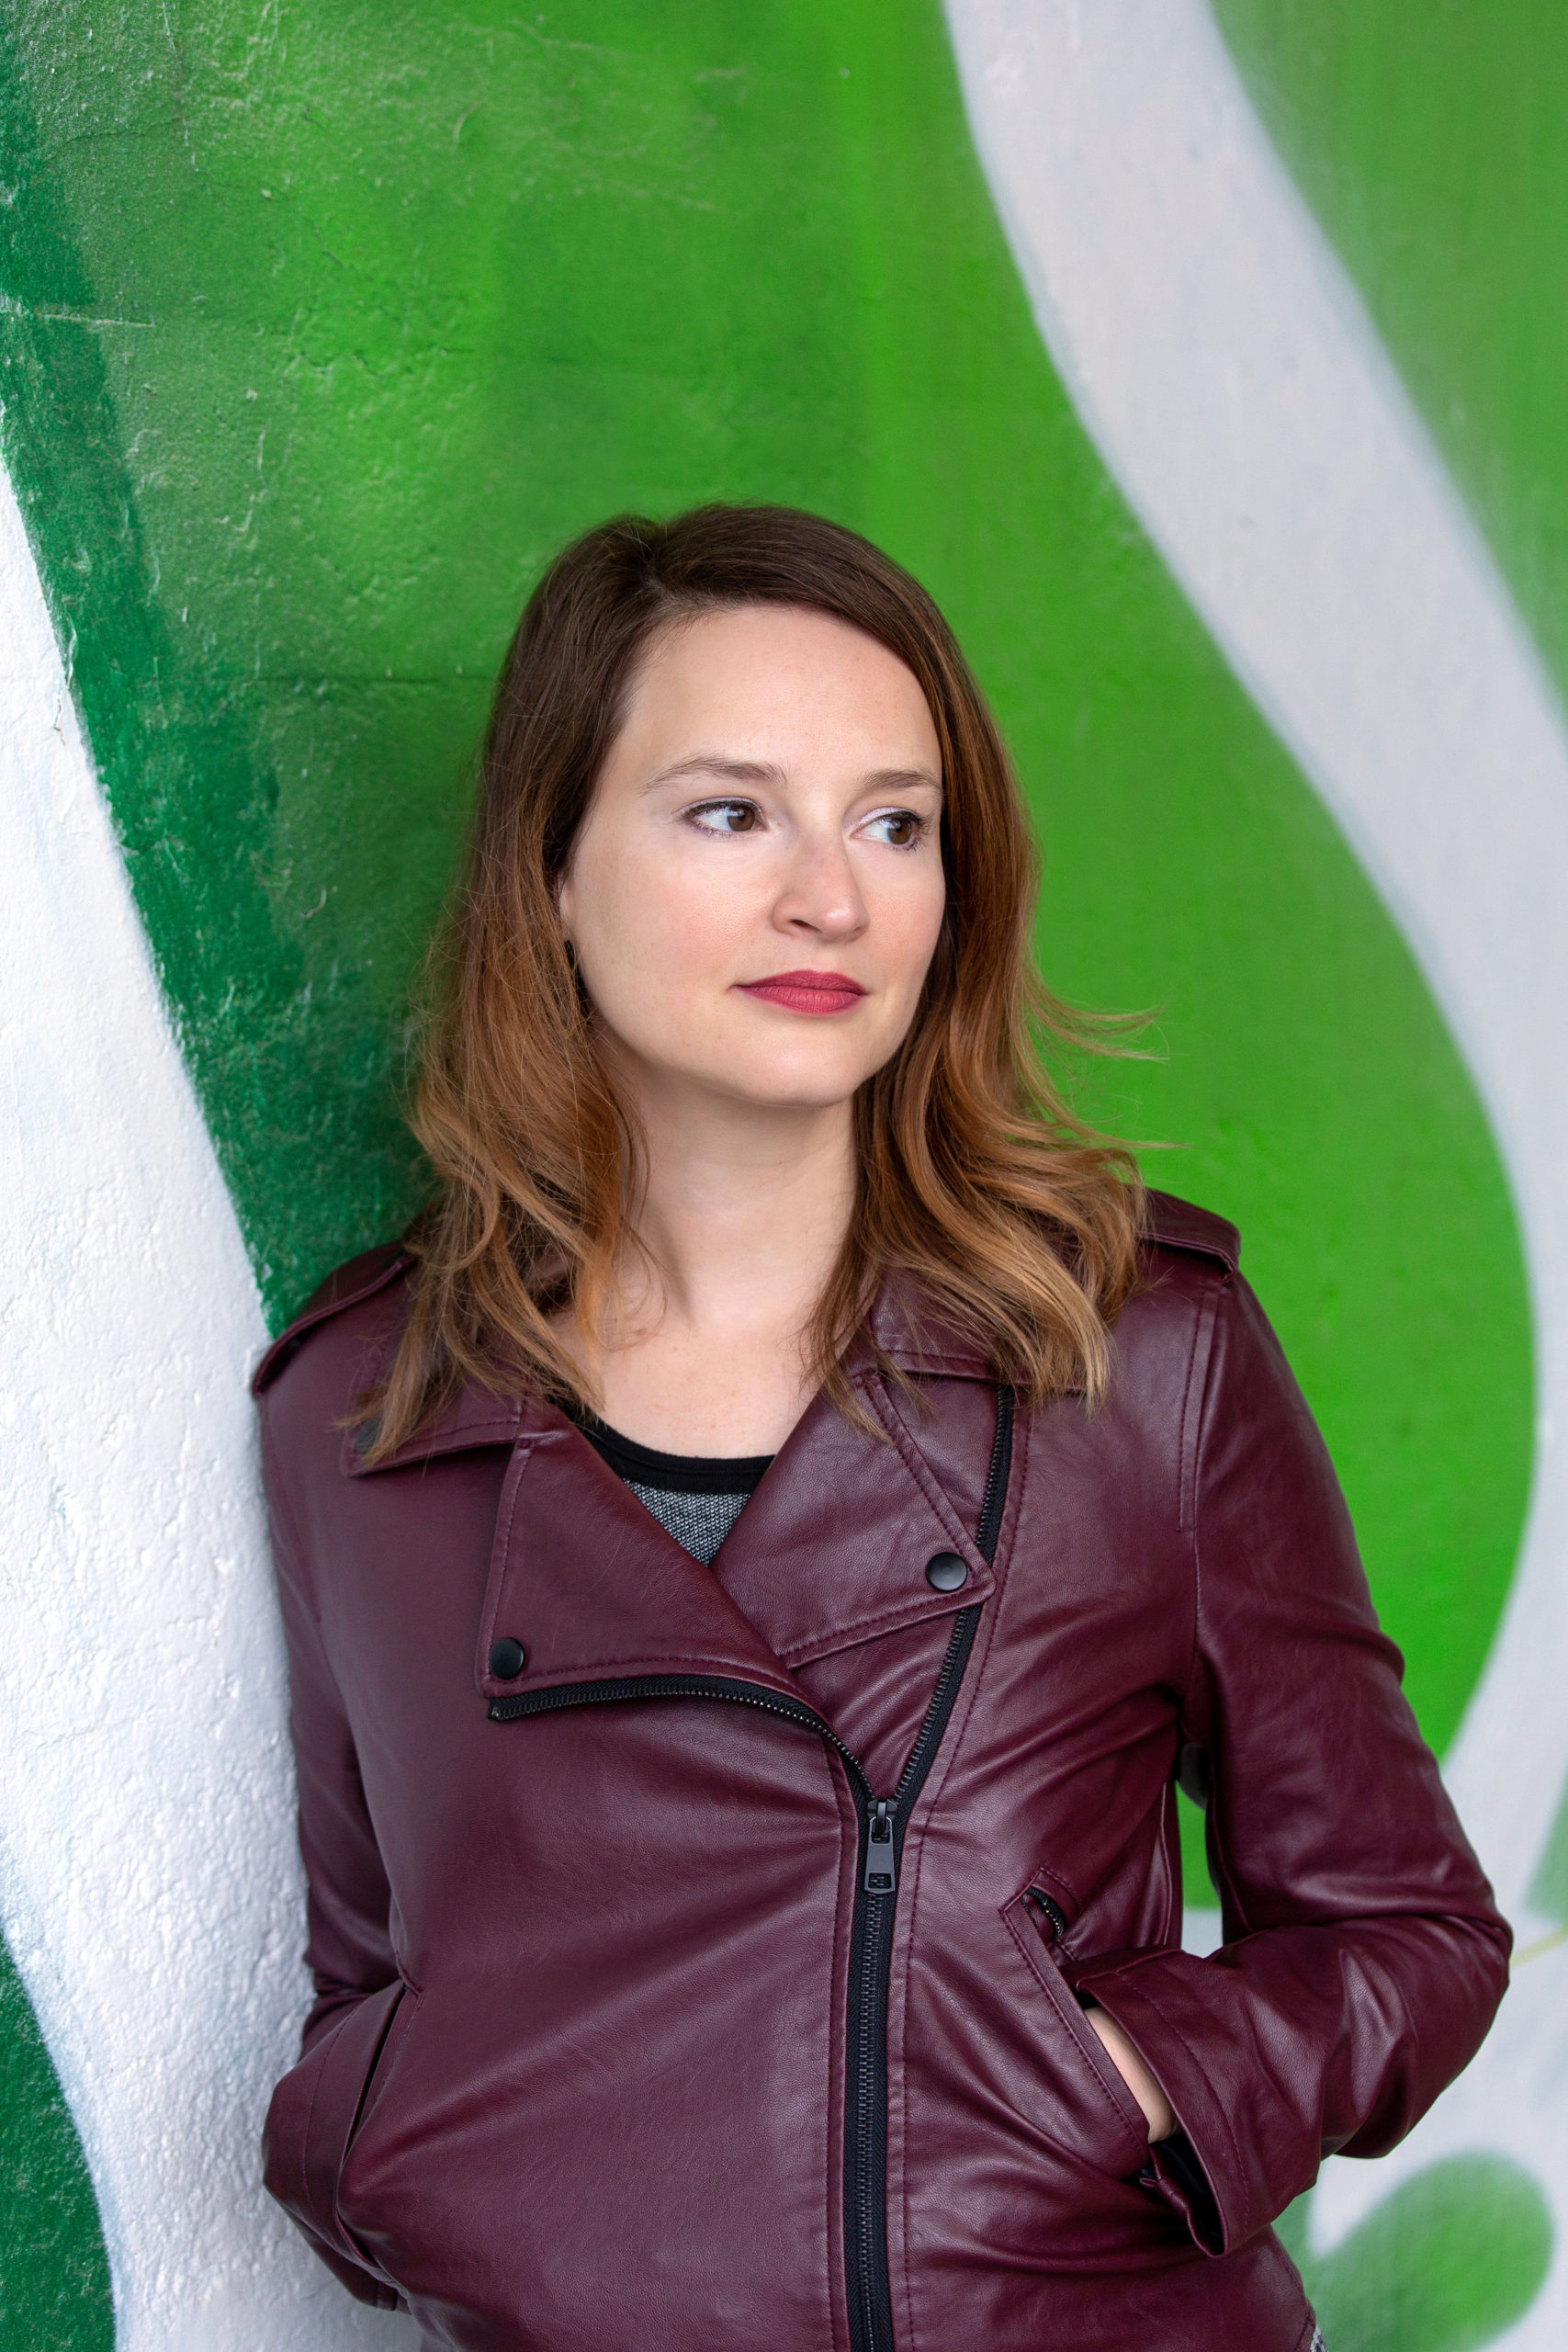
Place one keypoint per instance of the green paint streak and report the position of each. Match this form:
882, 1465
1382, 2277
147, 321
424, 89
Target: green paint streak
1429, 141
1446, 2263
325, 326
54, 2281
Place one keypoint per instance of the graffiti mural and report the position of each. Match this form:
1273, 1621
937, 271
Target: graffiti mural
1201, 363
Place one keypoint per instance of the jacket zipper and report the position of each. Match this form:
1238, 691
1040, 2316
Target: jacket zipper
883, 1820
871, 1954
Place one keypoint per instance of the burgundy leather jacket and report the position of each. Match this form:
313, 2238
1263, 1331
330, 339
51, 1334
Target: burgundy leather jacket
700, 1952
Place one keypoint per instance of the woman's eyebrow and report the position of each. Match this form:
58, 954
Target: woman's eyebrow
728, 771
902, 780
715, 763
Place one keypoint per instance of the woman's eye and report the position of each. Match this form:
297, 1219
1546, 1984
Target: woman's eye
725, 816
899, 828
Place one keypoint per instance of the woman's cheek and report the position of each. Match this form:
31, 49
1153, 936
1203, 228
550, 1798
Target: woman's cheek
645, 928
909, 932
660, 960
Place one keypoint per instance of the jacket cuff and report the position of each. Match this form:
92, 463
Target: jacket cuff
308, 2126
1200, 2170
360, 2284
1175, 2173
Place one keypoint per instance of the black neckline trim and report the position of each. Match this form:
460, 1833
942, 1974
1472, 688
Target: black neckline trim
674, 1473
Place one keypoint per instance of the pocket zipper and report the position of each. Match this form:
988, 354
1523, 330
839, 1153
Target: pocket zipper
1052, 1913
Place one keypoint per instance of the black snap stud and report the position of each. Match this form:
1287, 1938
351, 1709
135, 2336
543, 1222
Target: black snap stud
945, 1572
507, 1658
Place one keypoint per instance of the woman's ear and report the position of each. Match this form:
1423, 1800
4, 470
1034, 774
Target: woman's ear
563, 904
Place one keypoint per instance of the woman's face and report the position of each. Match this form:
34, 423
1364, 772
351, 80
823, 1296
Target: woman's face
756, 891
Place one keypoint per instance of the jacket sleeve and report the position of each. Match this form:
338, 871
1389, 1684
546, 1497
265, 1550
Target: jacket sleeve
1363, 1958
348, 1949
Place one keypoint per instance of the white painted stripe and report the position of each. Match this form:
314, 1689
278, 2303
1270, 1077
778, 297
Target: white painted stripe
1200, 1930
149, 1888
1225, 368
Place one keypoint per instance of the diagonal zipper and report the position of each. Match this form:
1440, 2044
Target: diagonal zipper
883, 1822
871, 1954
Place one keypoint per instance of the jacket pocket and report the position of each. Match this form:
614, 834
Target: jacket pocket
1100, 2119
315, 2110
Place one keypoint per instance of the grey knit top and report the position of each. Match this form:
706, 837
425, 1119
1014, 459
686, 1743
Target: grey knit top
697, 1498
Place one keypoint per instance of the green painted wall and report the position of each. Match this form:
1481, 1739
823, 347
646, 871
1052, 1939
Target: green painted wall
321, 328
1430, 142
354, 316
54, 2282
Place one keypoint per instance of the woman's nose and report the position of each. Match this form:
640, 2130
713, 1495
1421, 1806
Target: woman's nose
821, 893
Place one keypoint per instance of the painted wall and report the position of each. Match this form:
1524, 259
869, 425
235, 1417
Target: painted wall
319, 330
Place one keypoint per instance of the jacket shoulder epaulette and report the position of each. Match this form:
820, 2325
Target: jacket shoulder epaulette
359, 1278
1175, 1223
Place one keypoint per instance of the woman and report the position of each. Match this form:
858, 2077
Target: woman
757, 1556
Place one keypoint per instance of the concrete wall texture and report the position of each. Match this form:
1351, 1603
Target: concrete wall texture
1207, 363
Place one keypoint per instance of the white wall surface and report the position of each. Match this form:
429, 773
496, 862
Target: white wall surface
149, 1887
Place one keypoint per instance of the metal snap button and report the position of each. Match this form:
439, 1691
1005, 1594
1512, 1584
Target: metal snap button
507, 1658
945, 1572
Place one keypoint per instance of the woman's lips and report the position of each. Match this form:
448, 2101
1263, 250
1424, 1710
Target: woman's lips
807, 991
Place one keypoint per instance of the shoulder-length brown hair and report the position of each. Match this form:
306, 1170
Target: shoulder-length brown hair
976, 1185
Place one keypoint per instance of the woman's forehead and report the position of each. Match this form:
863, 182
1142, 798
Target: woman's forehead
749, 686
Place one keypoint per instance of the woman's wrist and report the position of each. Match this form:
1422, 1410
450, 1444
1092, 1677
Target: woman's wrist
1123, 2055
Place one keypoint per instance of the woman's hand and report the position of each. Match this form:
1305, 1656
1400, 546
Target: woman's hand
1135, 2075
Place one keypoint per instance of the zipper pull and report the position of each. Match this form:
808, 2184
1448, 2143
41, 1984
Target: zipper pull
881, 1867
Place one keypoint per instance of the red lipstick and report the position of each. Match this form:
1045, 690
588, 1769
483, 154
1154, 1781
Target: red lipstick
813, 992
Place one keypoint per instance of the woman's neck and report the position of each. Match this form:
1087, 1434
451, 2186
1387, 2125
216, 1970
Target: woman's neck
743, 1213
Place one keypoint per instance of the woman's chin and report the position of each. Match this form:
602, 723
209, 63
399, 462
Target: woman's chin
773, 1093
766, 1082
